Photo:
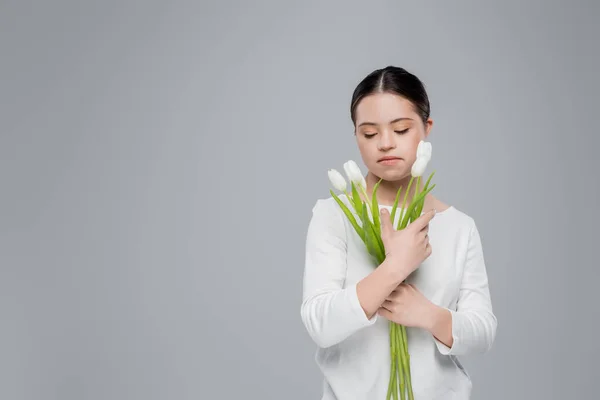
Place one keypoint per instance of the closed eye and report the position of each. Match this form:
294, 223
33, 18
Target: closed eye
402, 132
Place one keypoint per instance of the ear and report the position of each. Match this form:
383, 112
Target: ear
428, 126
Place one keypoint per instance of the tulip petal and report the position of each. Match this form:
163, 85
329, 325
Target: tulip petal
353, 172
337, 180
363, 183
418, 167
420, 149
348, 171
424, 150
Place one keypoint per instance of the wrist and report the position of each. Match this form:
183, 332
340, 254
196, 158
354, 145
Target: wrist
433, 316
394, 269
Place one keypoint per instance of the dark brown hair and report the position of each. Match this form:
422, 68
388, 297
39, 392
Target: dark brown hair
394, 80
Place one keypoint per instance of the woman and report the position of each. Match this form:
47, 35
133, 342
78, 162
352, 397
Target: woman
433, 280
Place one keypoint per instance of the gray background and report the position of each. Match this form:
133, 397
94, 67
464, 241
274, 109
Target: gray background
159, 162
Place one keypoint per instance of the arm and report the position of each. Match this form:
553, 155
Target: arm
440, 326
374, 288
329, 311
471, 328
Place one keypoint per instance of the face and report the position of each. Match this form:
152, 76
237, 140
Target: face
388, 126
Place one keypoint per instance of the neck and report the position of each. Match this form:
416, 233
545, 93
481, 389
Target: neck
387, 190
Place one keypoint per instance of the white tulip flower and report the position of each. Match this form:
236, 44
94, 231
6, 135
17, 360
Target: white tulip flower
418, 168
423, 158
355, 176
354, 173
337, 180
424, 150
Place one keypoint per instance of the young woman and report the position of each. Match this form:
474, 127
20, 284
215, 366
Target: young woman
433, 280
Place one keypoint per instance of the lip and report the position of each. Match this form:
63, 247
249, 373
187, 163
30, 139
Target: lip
388, 158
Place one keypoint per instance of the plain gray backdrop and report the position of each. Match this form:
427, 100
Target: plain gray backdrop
159, 162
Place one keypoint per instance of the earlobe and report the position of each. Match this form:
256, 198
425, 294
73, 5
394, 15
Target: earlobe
428, 127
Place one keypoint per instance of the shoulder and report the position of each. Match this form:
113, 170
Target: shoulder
328, 218
457, 217
438, 204
330, 206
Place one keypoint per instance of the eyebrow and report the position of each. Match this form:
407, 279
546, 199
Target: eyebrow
391, 122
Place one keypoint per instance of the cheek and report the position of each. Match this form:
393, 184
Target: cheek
366, 151
411, 152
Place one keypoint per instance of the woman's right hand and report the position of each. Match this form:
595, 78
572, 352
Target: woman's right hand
408, 247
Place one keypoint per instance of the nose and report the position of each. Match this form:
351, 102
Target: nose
386, 141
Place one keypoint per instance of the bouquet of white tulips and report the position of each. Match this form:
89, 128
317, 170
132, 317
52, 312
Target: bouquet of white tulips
368, 226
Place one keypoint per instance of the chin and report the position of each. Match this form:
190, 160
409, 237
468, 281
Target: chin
391, 175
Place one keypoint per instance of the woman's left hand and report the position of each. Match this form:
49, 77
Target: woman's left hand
409, 307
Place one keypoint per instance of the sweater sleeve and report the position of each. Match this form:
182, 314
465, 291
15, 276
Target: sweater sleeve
473, 322
330, 312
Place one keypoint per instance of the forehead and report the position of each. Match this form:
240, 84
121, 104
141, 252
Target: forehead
383, 107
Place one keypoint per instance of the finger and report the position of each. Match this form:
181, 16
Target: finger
420, 223
423, 238
386, 224
428, 250
384, 313
399, 287
397, 293
388, 305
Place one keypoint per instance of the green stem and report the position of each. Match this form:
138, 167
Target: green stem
392, 363
417, 188
400, 361
407, 366
404, 207
364, 192
395, 358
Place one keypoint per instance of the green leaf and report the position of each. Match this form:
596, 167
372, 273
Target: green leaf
358, 204
416, 208
350, 199
369, 239
395, 206
405, 212
428, 180
411, 208
374, 245
416, 190
349, 215
419, 207
425, 188
375, 210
